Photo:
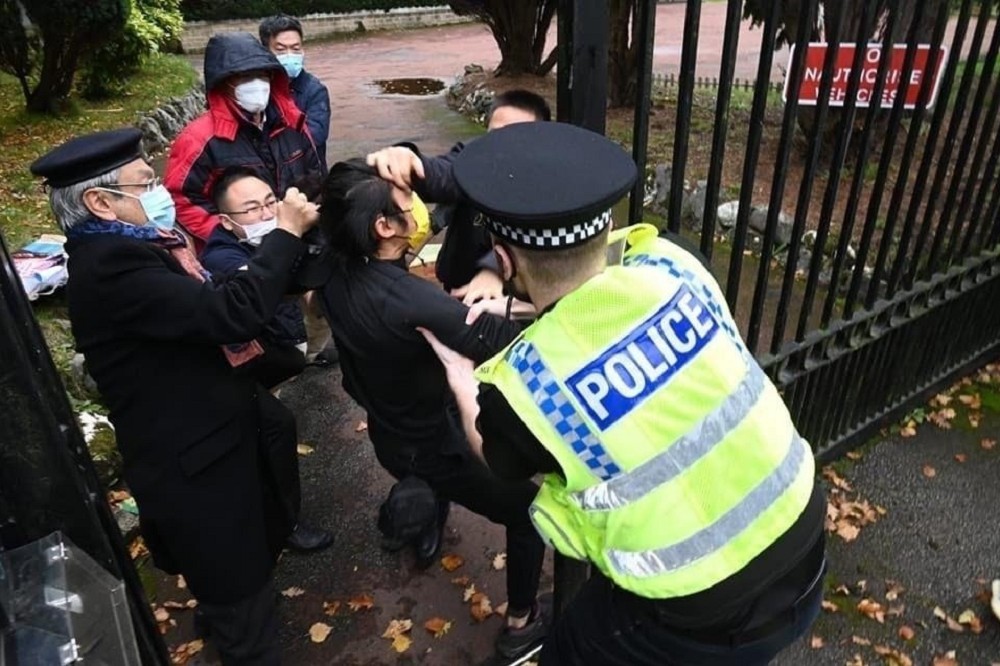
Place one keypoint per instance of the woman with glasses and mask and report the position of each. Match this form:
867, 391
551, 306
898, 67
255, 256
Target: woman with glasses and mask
374, 306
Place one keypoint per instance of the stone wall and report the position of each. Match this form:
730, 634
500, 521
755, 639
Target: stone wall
162, 124
316, 26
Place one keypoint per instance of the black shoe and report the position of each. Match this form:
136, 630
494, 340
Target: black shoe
329, 356
513, 643
305, 539
428, 544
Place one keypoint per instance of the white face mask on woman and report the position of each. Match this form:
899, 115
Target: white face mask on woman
252, 95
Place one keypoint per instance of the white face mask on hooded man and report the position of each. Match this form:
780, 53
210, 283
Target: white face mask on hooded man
252, 96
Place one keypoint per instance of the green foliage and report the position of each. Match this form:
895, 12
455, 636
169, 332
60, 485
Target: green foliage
220, 10
153, 25
44, 41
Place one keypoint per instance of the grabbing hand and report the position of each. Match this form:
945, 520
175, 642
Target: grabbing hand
397, 164
296, 214
498, 306
485, 285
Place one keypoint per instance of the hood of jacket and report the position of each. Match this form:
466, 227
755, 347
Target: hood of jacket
232, 53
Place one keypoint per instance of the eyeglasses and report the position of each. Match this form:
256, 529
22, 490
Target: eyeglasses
270, 205
149, 186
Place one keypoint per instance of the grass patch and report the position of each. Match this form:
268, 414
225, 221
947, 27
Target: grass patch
24, 211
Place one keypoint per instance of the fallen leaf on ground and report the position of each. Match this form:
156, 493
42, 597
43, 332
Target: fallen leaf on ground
848, 532
892, 656
907, 633
855, 661
842, 590
960, 457
941, 400
872, 609
116, 496
397, 627
816, 642
929, 472
137, 548
462, 581
854, 455
858, 640
181, 583
835, 479
451, 562
947, 659
161, 615
292, 592
909, 430
437, 626
501, 610
971, 401
319, 632
893, 590
500, 561
361, 427
969, 619
974, 419
304, 449
942, 418
940, 614
987, 444
331, 607
480, 607
360, 602
830, 607
468, 592
401, 643
180, 654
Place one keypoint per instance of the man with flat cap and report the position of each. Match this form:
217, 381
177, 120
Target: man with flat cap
161, 340
670, 461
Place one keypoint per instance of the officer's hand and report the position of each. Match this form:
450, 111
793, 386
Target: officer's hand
485, 285
457, 367
296, 214
397, 164
498, 306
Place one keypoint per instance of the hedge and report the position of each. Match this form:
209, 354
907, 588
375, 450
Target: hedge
220, 10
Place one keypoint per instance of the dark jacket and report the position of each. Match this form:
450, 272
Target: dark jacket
312, 97
224, 255
467, 247
186, 423
280, 153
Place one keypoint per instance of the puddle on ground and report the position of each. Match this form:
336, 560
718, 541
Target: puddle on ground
415, 86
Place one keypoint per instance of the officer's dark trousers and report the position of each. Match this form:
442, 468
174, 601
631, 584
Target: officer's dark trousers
245, 632
461, 477
604, 626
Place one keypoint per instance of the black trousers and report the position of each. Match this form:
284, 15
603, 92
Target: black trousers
245, 632
605, 625
459, 476
279, 457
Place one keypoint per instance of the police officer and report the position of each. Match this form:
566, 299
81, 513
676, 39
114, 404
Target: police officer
670, 461
161, 341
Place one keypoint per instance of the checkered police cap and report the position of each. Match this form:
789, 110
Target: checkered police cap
544, 185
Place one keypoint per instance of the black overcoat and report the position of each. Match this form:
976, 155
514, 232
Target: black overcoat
187, 425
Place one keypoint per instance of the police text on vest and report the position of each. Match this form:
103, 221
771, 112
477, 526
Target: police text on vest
625, 373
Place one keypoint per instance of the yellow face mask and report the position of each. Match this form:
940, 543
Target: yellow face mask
423, 219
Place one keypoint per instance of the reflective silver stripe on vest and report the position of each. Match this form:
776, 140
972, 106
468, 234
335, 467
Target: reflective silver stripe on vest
649, 563
534, 511
682, 454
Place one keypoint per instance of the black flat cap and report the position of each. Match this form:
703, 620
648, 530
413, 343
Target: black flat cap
88, 156
544, 185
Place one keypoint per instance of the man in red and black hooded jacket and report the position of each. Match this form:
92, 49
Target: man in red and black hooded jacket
252, 121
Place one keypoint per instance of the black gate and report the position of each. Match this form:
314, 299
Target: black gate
882, 282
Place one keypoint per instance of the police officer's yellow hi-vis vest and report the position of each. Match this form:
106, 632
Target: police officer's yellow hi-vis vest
680, 458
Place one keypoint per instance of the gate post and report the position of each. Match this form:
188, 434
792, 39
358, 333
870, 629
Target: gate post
47, 478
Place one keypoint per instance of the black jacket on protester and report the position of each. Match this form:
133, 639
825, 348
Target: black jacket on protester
187, 425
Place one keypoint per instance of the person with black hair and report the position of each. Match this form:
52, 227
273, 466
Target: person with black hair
465, 265
282, 35
375, 306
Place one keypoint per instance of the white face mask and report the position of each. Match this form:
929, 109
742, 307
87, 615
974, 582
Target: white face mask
255, 232
252, 95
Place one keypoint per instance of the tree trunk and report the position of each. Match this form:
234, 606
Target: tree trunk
56, 79
622, 54
520, 30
